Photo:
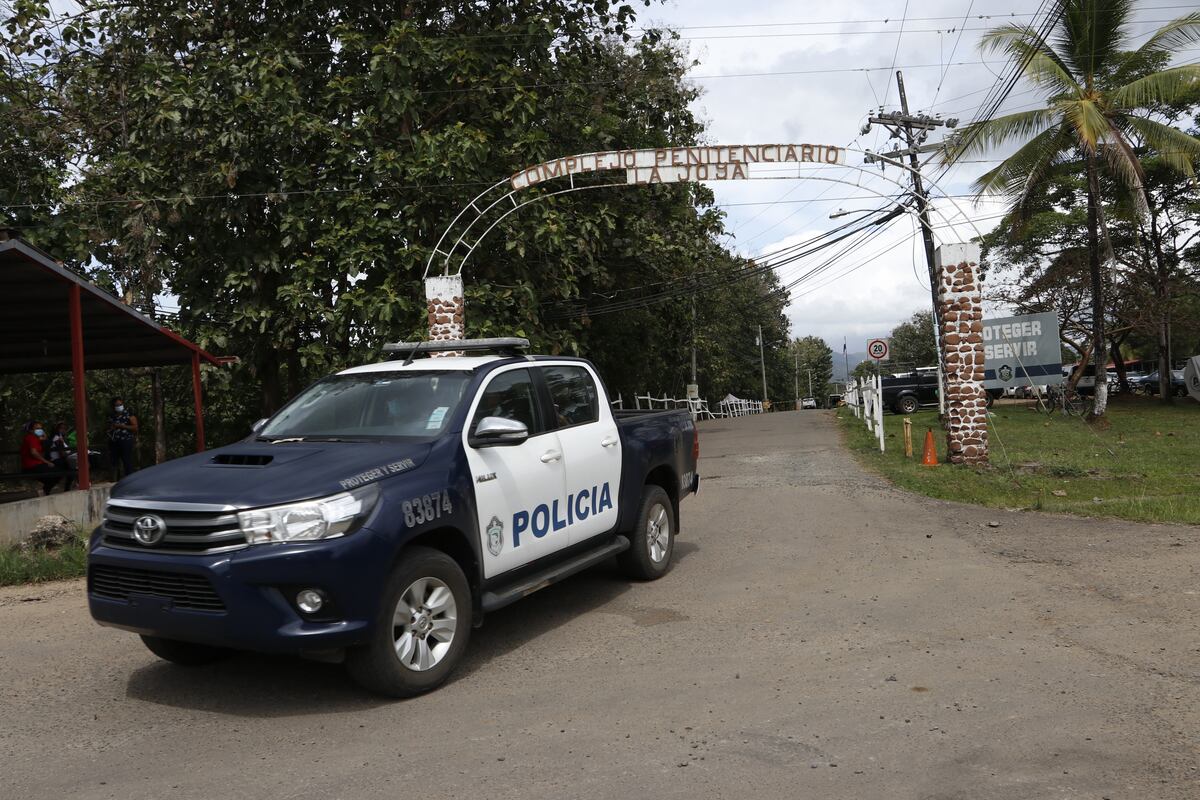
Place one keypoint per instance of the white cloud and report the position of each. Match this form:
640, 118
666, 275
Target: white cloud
830, 107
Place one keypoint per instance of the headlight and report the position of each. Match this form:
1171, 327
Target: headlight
311, 520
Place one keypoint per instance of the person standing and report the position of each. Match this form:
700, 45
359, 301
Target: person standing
59, 453
33, 455
122, 433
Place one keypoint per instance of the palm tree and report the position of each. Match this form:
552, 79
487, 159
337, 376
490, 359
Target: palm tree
1100, 97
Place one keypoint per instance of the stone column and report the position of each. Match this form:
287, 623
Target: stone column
960, 302
444, 302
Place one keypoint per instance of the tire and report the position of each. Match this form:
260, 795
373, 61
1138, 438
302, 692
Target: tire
649, 555
907, 405
185, 654
990, 401
427, 599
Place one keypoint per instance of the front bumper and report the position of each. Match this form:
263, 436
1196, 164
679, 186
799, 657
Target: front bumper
253, 588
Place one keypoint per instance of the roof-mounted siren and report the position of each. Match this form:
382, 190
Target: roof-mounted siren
504, 346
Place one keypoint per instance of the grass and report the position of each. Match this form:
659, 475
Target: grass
1144, 466
34, 566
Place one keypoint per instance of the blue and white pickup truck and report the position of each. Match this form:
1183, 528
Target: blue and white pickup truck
381, 513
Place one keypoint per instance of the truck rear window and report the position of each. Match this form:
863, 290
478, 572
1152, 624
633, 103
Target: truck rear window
372, 405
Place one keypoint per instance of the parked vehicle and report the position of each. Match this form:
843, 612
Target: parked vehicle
1087, 382
1178, 386
808, 402
385, 510
906, 392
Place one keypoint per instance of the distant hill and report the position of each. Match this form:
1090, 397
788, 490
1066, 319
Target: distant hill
839, 363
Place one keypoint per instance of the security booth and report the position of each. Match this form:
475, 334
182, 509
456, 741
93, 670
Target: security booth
54, 320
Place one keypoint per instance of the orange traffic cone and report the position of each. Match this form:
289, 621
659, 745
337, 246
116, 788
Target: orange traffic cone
929, 457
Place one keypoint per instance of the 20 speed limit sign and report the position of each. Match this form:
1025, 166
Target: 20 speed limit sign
877, 349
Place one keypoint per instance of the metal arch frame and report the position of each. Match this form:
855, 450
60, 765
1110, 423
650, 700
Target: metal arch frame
509, 195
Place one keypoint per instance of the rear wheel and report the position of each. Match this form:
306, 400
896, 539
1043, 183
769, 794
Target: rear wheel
187, 654
653, 539
422, 632
907, 404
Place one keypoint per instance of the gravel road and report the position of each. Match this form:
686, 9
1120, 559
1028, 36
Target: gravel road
821, 635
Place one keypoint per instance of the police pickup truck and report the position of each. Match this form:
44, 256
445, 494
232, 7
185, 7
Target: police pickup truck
381, 513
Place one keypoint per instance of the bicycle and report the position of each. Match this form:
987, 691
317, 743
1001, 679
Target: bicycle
1070, 401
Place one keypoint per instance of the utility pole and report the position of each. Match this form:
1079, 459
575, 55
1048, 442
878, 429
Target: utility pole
796, 352
846, 362
693, 338
913, 130
762, 361
810, 394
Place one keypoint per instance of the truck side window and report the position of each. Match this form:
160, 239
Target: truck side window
574, 394
510, 395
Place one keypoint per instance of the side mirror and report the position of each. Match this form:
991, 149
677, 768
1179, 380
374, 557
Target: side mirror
498, 432
258, 426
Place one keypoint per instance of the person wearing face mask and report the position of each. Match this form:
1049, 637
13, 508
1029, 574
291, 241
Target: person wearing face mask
33, 455
122, 433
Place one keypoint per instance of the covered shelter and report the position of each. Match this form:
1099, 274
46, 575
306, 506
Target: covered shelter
53, 320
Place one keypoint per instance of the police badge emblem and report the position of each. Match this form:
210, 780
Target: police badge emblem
1005, 372
495, 534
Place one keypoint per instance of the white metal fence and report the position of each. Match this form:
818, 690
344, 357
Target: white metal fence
865, 398
701, 409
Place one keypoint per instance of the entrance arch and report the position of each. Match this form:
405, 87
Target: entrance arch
959, 296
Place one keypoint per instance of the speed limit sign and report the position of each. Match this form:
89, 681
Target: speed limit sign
877, 349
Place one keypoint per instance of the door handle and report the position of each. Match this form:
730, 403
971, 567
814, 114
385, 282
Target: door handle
551, 455
608, 441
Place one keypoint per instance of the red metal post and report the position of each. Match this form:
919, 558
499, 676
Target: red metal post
81, 432
199, 401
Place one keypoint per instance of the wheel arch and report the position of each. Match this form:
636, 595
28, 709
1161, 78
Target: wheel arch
456, 544
664, 476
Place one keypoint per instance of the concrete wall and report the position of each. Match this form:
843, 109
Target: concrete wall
85, 508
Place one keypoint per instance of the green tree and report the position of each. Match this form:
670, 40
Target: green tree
913, 343
1097, 97
285, 169
812, 361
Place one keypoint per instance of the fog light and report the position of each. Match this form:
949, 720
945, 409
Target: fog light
309, 600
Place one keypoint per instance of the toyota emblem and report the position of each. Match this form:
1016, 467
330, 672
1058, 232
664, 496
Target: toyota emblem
149, 530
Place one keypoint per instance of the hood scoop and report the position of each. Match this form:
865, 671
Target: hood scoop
242, 459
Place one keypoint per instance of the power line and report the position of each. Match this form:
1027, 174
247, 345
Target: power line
896, 52
953, 50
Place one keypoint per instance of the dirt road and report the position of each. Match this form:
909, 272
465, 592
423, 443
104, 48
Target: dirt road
820, 636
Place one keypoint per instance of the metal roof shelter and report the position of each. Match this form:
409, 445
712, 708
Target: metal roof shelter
52, 320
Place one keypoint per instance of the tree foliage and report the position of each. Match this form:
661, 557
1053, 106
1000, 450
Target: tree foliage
1101, 103
283, 169
813, 360
913, 343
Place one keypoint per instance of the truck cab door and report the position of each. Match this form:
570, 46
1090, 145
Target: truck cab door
517, 486
591, 447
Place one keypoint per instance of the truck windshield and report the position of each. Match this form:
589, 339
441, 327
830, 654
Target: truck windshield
371, 405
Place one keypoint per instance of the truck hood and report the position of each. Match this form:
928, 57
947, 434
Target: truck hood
251, 474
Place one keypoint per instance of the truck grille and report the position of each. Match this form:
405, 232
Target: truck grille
184, 591
191, 531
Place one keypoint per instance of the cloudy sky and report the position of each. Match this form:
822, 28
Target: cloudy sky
775, 71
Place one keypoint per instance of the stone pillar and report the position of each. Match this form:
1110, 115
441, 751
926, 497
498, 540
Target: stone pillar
444, 302
960, 302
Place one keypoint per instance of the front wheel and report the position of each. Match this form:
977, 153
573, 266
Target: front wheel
422, 632
187, 654
653, 539
907, 404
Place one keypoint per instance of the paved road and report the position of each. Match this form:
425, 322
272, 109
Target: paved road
820, 636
